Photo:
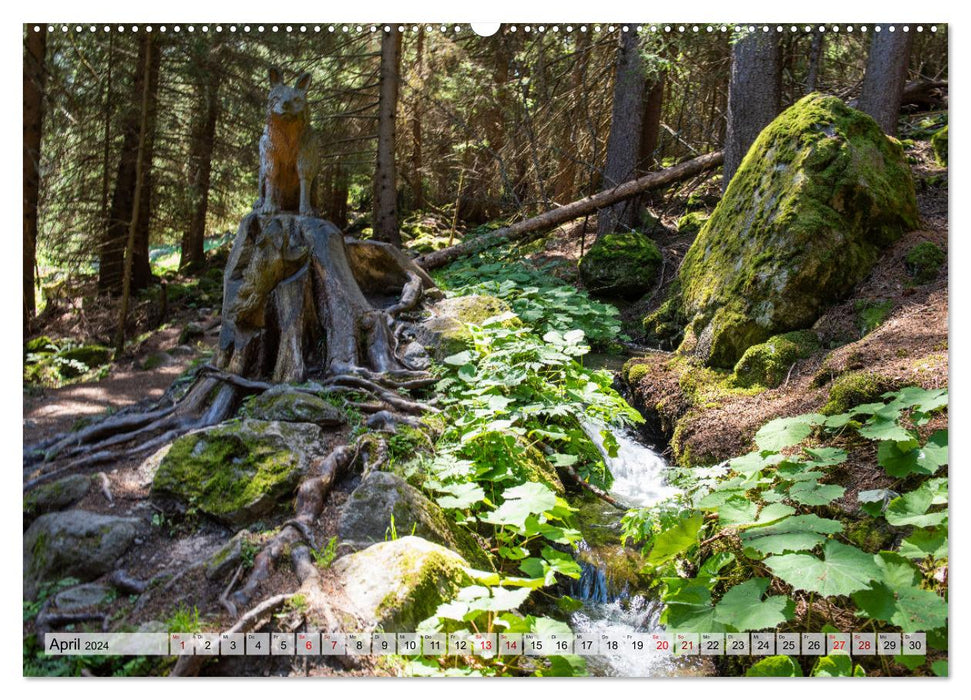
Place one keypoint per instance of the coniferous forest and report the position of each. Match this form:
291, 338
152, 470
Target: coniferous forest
594, 333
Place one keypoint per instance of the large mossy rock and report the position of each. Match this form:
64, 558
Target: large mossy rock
385, 505
395, 585
621, 265
281, 403
74, 543
818, 196
768, 364
445, 333
939, 144
239, 471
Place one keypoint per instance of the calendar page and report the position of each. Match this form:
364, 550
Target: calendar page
525, 349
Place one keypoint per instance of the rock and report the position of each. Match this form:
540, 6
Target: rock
621, 265
415, 356
366, 517
156, 360
767, 364
281, 403
231, 555
74, 543
56, 495
395, 585
83, 597
692, 222
939, 144
182, 351
236, 472
924, 262
444, 333
90, 356
855, 388
191, 331
820, 194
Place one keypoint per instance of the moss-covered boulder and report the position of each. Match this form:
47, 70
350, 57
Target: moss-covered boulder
281, 403
236, 472
384, 506
74, 543
621, 265
56, 495
855, 388
445, 333
692, 222
508, 458
395, 585
924, 261
939, 144
767, 364
818, 196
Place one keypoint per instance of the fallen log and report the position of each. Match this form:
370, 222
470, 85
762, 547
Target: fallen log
574, 210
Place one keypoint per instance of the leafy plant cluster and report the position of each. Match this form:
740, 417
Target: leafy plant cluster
52, 363
538, 297
748, 540
514, 404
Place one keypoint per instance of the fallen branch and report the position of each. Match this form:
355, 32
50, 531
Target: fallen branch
574, 210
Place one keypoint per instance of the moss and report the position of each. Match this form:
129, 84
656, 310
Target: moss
634, 371
664, 327
155, 360
767, 364
871, 314
230, 473
621, 265
868, 534
90, 356
706, 387
854, 388
819, 195
282, 404
41, 343
924, 262
692, 222
939, 144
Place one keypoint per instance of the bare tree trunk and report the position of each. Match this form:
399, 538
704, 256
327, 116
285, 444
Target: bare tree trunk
651, 124
564, 188
385, 185
886, 76
623, 144
112, 254
418, 192
571, 211
204, 135
139, 177
815, 54
754, 94
35, 78
106, 147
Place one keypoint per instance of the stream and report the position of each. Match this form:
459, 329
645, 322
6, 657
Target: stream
609, 606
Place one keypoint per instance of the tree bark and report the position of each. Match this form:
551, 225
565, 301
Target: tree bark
574, 210
204, 136
815, 55
564, 188
651, 124
35, 78
754, 94
418, 191
140, 171
623, 144
385, 185
886, 77
121, 215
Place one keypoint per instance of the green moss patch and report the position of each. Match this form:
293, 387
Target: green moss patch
924, 262
939, 144
767, 364
692, 222
871, 314
855, 388
621, 265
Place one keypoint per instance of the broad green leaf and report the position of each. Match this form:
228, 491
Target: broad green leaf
843, 570
911, 509
521, 502
875, 501
786, 432
939, 668
708, 571
837, 665
744, 513
775, 667
925, 542
676, 540
688, 607
898, 599
901, 459
826, 456
811, 493
561, 562
880, 427
458, 359
460, 495
486, 578
743, 609
753, 462
793, 534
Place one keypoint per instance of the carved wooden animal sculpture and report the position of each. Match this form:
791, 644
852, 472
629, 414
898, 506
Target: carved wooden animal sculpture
289, 150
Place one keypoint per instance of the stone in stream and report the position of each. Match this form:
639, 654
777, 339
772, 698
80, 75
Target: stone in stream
395, 585
821, 193
239, 471
73, 543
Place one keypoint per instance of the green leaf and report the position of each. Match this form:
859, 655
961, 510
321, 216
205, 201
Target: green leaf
812, 493
837, 665
794, 534
874, 502
458, 359
786, 432
676, 540
521, 502
901, 459
775, 667
826, 456
568, 605
743, 609
925, 542
911, 508
740, 512
881, 427
939, 668
897, 598
461, 495
688, 607
843, 570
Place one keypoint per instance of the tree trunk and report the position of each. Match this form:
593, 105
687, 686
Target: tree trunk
623, 144
885, 78
200, 164
651, 124
385, 186
815, 55
35, 78
418, 192
564, 188
571, 211
140, 171
121, 215
754, 94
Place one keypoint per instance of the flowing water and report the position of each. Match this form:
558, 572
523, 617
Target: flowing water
609, 606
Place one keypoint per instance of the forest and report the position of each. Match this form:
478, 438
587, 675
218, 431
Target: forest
581, 331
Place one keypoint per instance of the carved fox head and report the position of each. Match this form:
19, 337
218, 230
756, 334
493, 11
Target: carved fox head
285, 101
